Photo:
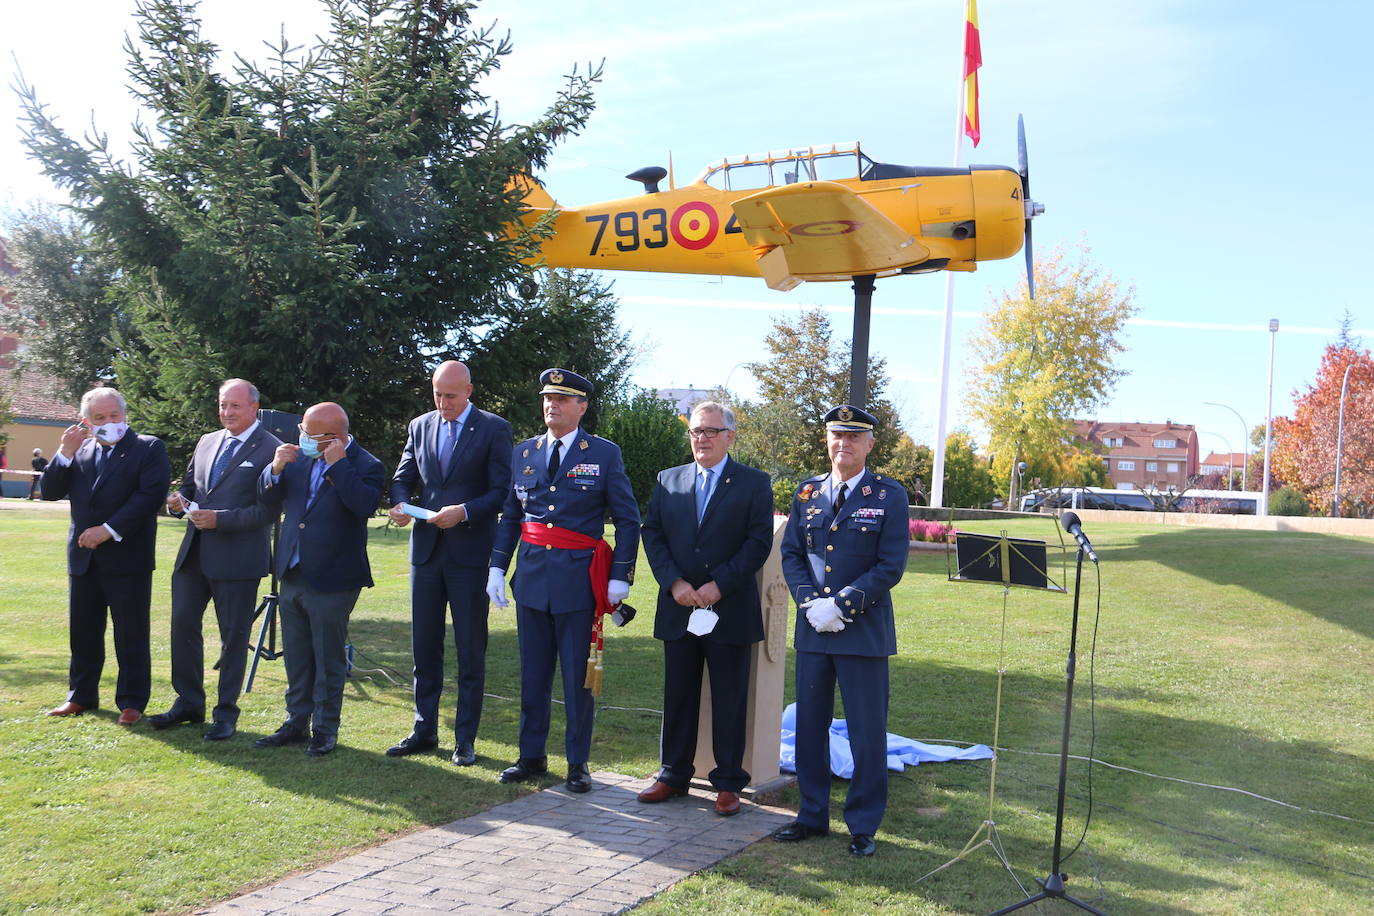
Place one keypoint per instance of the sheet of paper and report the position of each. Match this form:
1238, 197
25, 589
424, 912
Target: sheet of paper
419, 512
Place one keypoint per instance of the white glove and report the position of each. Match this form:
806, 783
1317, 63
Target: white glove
824, 615
496, 586
617, 590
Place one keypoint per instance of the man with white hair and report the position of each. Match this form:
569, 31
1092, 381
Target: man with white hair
116, 481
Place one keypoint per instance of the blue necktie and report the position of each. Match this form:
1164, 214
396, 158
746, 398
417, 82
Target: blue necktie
704, 492
839, 498
101, 453
450, 441
316, 478
226, 455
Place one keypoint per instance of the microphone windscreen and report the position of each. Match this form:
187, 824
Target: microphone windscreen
1069, 519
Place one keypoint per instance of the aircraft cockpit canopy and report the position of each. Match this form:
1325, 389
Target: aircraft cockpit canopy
836, 162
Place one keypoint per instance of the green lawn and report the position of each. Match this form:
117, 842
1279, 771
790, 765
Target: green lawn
1229, 658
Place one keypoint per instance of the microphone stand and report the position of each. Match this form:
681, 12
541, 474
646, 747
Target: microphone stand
1053, 885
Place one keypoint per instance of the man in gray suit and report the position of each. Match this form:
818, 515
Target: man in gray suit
224, 555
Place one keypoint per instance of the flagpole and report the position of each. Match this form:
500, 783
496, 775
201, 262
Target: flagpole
937, 473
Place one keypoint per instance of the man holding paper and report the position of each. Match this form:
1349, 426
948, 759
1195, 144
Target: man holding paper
224, 555
708, 531
453, 477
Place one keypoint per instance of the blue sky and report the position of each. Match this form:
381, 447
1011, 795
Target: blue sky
1208, 153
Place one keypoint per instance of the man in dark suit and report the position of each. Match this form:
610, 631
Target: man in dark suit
707, 533
116, 481
564, 484
224, 555
844, 549
456, 463
330, 487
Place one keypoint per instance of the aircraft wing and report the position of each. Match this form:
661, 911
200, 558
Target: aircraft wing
821, 229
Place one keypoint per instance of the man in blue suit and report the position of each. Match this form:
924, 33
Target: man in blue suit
330, 487
564, 484
224, 555
844, 549
116, 481
456, 463
708, 531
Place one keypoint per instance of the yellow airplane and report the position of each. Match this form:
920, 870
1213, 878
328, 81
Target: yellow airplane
822, 213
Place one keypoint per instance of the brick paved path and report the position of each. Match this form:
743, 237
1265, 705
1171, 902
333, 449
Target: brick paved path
546, 852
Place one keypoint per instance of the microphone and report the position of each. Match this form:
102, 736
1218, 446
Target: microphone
1069, 520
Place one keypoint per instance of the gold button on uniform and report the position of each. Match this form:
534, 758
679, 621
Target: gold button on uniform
829, 546
827, 569
551, 509
548, 524
826, 589
552, 488
548, 547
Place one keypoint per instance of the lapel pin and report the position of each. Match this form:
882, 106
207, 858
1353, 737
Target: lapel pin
868, 491
582, 444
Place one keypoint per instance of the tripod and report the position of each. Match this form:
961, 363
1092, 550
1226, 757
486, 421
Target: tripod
1008, 562
1053, 885
266, 646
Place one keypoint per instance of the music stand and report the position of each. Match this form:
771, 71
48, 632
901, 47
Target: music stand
1052, 886
1011, 563
284, 426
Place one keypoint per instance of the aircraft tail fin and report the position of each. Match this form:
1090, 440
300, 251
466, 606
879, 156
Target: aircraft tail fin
535, 197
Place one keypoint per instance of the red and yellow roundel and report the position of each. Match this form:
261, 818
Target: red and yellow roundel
825, 227
694, 225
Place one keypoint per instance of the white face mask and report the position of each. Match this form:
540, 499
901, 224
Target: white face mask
110, 433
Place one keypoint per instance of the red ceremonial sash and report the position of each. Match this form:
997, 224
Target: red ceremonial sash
545, 535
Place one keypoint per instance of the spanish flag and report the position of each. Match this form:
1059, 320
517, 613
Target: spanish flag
973, 59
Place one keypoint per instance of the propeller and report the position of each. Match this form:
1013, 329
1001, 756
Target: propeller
1033, 209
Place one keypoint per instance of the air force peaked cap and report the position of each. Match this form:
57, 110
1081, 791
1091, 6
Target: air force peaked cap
561, 381
846, 417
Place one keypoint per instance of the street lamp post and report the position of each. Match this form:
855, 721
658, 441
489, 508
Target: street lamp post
1269, 416
1340, 430
1244, 439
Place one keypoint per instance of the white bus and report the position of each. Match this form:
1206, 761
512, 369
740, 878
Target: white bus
1233, 502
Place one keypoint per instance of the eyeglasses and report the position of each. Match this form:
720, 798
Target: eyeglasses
322, 437
707, 432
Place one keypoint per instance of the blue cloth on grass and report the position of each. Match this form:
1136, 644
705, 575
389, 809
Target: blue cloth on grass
901, 752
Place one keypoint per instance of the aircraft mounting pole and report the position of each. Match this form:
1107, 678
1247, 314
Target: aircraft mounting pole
858, 366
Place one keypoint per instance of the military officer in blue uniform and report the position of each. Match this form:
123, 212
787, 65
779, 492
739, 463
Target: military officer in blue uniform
563, 485
844, 549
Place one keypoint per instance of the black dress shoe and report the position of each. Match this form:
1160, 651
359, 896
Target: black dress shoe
464, 755
796, 831
413, 744
579, 779
176, 716
525, 768
862, 844
321, 745
219, 731
285, 735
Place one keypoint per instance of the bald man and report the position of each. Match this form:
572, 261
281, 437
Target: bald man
330, 487
456, 464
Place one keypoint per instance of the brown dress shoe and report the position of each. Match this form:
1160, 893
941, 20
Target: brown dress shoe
130, 716
67, 709
727, 803
660, 791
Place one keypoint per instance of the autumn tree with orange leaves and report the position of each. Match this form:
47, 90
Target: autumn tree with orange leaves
1305, 443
